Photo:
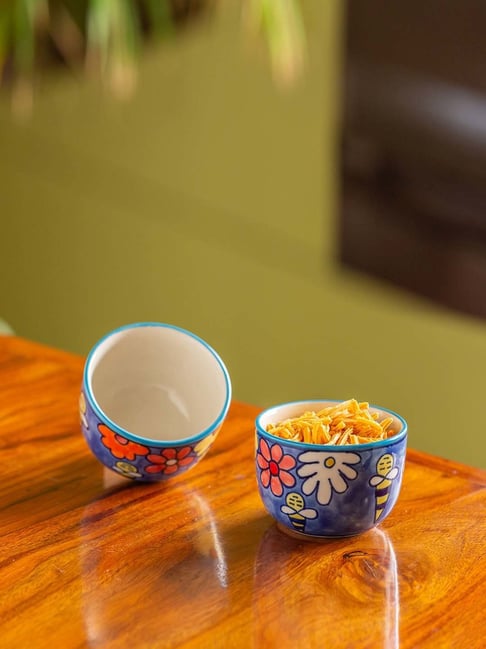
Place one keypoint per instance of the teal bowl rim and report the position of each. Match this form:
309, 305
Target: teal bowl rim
147, 440
332, 447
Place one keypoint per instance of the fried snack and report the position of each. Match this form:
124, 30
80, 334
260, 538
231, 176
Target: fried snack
348, 422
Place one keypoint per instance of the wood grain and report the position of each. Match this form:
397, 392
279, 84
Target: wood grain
88, 559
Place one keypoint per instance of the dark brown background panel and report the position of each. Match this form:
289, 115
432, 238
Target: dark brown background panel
414, 148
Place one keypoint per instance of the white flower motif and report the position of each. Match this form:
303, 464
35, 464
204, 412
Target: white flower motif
326, 472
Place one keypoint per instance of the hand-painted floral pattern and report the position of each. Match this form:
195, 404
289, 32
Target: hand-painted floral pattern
82, 410
326, 472
126, 469
170, 460
202, 447
119, 446
275, 465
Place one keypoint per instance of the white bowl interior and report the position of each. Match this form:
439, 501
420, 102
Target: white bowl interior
158, 382
289, 410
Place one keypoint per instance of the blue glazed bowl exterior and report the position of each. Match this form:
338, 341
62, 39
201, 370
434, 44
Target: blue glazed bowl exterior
133, 457
329, 491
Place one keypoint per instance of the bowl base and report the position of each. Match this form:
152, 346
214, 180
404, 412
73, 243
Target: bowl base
301, 536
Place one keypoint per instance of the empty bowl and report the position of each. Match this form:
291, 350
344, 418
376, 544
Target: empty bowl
153, 399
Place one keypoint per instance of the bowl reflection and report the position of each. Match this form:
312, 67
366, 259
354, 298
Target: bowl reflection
333, 593
149, 577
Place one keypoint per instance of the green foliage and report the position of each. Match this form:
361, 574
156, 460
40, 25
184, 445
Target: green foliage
105, 37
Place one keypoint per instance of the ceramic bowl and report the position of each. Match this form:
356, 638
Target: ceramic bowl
153, 399
320, 491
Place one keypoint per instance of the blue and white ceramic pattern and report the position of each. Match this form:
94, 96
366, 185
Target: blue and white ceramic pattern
323, 490
153, 399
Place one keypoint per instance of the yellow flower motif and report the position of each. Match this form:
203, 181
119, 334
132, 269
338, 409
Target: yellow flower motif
202, 447
126, 469
82, 410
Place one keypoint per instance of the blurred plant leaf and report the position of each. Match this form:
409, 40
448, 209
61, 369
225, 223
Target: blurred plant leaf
106, 36
281, 24
5, 28
159, 14
114, 34
66, 32
25, 17
23, 37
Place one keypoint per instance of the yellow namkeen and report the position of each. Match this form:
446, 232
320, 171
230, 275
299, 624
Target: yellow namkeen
348, 422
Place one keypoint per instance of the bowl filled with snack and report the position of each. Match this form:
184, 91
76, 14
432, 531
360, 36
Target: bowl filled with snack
329, 468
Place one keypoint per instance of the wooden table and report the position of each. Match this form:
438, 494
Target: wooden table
88, 559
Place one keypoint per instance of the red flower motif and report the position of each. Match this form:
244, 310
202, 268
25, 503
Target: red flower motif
274, 464
119, 446
170, 460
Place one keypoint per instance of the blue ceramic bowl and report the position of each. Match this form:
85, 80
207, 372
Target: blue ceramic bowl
153, 399
322, 491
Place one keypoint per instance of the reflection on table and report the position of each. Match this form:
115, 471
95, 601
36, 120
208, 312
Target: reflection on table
176, 583
318, 599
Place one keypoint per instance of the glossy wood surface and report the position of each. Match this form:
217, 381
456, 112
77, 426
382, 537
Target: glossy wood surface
88, 559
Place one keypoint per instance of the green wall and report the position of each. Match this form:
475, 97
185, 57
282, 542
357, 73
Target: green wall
209, 201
